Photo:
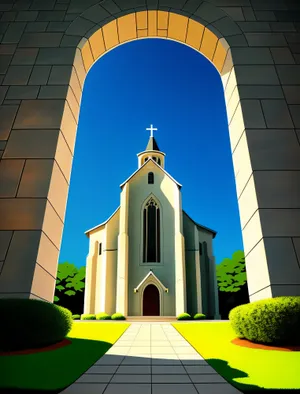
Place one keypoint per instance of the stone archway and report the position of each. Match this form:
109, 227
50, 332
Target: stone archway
44, 60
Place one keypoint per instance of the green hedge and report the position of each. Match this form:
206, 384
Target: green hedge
199, 316
28, 323
117, 316
75, 317
184, 316
103, 316
88, 316
271, 321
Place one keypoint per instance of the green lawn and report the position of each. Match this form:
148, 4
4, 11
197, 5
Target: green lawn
245, 368
59, 368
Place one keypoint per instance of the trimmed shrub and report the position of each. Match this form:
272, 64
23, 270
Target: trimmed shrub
118, 316
28, 324
76, 317
88, 316
199, 316
102, 316
271, 321
184, 316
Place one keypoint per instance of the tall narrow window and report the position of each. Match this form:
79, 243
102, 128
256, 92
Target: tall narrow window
100, 248
150, 178
151, 232
200, 249
158, 161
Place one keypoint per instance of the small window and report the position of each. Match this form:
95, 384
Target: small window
158, 161
151, 178
100, 249
145, 159
154, 158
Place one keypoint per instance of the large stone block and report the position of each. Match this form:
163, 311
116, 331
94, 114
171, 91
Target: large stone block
24, 56
53, 92
14, 33
7, 116
22, 213
247, 56
22, 92
276, 114
96, 14
274, 149
40, 114
97, 44
39, 75
4, 63
282, 56
256, 75
177, 27
5, 238
127, 28
10, 175
60, 75
266, 39
17, 75
28, 144
289, 74
194, 34
36, 178
41, 40
53, 225
56, 56
20, 262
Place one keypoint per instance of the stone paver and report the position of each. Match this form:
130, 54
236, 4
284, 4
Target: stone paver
151, 358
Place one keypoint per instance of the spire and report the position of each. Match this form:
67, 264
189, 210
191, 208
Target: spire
152, 144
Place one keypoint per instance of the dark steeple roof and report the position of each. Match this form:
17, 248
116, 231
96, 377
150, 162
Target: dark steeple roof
152, 144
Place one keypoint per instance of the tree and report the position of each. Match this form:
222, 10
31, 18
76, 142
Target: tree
231, 273
70, 283
232, 283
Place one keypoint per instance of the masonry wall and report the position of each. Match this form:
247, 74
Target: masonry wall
46, 49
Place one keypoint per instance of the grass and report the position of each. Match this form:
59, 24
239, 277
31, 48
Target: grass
59, 368
245, 368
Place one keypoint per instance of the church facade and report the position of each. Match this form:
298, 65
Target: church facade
150, 258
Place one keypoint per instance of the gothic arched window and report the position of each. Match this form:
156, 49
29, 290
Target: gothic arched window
151, 232
150, 178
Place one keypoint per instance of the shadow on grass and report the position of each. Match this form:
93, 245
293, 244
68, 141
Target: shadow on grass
230, 374
50, 371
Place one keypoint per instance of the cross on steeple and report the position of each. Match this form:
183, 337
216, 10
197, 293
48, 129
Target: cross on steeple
151, 129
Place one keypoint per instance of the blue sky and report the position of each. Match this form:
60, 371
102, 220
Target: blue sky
180, 92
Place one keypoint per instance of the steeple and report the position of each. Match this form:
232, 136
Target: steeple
152, 144
152, 151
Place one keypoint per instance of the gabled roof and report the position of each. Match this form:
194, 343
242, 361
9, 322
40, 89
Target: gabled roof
200, 226
148, 161
101, 224
150, 273
152, 144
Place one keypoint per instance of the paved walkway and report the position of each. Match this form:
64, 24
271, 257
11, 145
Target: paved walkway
151, 358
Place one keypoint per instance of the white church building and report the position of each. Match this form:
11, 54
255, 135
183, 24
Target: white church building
149, 258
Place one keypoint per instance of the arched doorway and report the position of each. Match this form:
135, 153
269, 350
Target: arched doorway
151, 304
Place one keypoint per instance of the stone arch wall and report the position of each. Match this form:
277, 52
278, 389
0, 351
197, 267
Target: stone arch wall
47, 47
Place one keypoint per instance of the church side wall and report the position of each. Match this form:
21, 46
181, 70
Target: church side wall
190, 262
111, 251
93, 271
207, 262
165, 191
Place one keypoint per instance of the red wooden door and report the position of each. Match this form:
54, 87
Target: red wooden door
151, 301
